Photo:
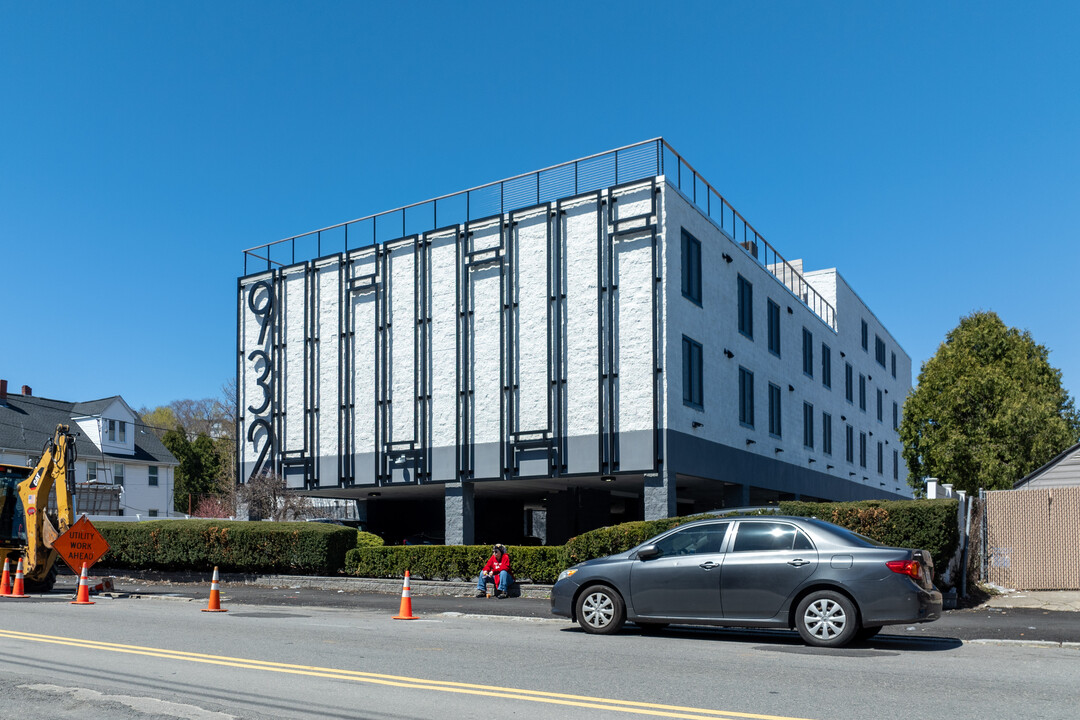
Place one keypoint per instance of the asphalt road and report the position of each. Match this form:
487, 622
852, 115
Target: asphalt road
982, 623
142, 656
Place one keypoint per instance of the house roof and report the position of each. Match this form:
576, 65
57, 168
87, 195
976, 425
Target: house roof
27, 423
1071, 457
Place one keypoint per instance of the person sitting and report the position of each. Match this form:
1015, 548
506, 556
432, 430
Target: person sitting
496, 570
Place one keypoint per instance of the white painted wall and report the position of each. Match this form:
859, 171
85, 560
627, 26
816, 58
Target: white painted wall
715, 325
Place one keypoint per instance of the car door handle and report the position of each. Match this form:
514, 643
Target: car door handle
798, 562
709, 565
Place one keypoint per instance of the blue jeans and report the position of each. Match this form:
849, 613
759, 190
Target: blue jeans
501, 585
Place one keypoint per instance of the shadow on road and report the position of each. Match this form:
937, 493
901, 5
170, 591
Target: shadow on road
788, 641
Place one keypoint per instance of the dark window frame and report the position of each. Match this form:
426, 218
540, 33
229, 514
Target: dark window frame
826, 366
691, 268
693, 374
746, 307
776, 428
807, 353
826, 433
774, 327
808, 425
746, 397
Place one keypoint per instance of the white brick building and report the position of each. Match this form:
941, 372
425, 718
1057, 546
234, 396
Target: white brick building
599, 341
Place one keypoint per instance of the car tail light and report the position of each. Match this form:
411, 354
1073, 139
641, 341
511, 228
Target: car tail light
911, 568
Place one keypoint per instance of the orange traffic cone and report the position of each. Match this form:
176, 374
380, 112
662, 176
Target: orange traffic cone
405, 613
106, 585
215, 595
5, 580
18, 591
83, 596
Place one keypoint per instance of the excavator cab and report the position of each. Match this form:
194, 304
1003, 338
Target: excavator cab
36, 507
12, 515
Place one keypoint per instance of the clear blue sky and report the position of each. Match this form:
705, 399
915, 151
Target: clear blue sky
930, 151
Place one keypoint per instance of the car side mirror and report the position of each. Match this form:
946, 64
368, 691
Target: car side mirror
649, 552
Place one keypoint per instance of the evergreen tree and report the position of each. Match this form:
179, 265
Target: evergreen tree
988, 409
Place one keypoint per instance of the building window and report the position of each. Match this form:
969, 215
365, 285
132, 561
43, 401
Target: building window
849, 447
880, 406
691, 268
894, 365
746, 397
112, 431
91, 471
895, 416
774, 328
865, 336
746, 308
849, 383
774, 410
826, 433
826, 366
880, 459
895, 465
862, 449
151, 512
879, 350
118, 474
862, 392
807, 352
692, 374
123, 431
153, 475
807, 425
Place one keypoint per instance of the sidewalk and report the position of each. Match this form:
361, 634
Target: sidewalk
1053, 600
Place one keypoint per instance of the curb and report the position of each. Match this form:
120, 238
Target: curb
388, 586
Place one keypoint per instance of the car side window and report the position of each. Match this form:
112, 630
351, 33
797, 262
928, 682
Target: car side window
698, 540
759, 536
802, 542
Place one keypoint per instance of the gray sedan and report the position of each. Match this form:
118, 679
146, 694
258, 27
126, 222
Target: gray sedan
829, 583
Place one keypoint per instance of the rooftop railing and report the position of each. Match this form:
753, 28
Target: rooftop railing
595, 172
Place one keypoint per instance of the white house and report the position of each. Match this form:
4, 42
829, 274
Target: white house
121, 468
599, 341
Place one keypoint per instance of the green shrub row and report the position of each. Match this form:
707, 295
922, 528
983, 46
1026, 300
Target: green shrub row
450, 562
233, 546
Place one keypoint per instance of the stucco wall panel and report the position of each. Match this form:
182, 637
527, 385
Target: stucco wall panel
328, 372
443, 349
581, 328
362, 354
633, 337
530, 359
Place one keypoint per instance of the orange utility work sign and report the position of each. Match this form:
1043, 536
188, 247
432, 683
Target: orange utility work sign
82, 543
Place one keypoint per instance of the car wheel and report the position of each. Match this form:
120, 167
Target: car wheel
865, 633
826, 619
651, 628
600, 610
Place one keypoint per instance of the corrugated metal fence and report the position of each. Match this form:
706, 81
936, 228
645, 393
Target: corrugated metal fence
1032, 538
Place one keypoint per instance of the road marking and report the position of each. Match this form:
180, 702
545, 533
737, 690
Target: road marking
583, 701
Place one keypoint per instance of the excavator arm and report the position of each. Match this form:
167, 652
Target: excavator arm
52, 472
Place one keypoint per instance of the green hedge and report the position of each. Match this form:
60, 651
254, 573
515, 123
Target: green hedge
450, 562
923, 524
233, 546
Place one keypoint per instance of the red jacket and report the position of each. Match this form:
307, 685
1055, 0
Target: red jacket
497, 566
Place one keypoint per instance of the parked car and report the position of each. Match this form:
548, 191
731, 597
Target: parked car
829, 583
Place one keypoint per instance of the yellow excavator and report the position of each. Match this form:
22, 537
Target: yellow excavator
28, 527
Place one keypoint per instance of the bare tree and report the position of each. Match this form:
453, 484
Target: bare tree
267, 498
